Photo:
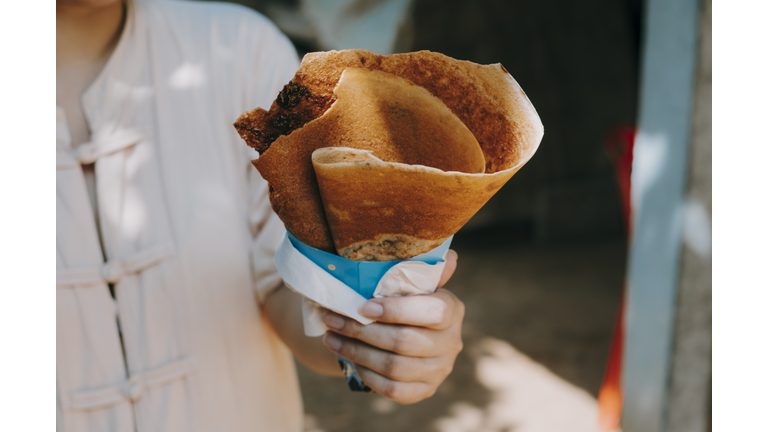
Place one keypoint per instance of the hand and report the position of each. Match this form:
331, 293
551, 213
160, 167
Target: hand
410, 350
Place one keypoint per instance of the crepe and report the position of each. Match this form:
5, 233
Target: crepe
413, 145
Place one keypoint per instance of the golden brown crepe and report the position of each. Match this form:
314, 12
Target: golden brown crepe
419, 142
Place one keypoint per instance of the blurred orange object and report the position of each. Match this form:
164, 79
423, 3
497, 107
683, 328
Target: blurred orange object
619, 144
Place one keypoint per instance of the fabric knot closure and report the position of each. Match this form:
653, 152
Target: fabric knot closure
114, 270
87, 153
133, 391
103, 144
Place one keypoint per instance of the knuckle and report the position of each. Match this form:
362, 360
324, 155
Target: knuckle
348, 350
393, 390
460, 309
455, 344
445, 369
393, 366
352, 328
405, 340
459, 345
439, 312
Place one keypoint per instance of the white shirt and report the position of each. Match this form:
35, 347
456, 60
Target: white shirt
187, 229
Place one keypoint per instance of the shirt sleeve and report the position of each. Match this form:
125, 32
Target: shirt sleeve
268, 232
266, 74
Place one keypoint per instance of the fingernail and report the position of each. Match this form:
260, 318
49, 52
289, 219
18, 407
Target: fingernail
333, 321
372, 310
332, 341
451, 251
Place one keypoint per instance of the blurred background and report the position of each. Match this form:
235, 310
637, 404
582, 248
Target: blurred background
542, 267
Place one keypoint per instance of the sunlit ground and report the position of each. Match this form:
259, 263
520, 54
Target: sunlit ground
525, 396
536, 335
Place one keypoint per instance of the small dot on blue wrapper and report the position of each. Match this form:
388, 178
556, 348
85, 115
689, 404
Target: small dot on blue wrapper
331, 267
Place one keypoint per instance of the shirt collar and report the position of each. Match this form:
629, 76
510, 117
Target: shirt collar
110, 96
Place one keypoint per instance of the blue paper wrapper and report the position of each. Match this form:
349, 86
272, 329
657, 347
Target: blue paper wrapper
362, 276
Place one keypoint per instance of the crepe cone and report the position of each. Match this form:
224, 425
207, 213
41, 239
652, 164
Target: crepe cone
412, 146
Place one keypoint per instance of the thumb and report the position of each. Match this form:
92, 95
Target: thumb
451, 259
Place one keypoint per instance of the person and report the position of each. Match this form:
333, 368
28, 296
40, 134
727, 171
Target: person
170, 312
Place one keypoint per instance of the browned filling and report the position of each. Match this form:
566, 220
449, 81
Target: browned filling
294, 107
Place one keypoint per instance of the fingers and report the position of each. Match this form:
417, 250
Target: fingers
451, 259
403, 363
398, 391
439, 310
400, 339
388, 364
